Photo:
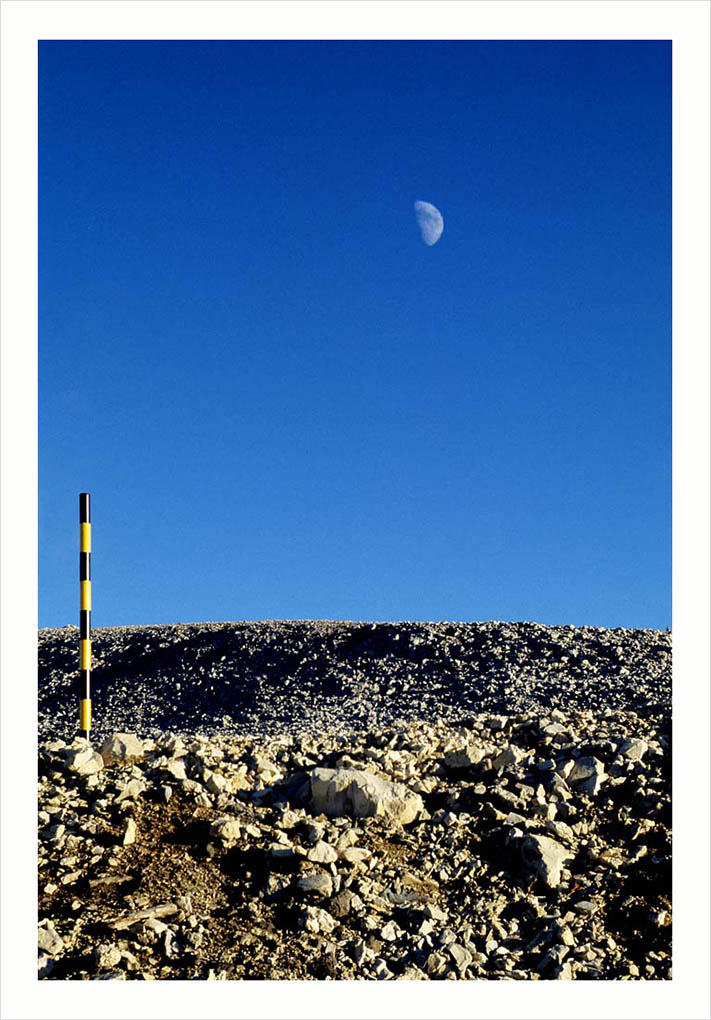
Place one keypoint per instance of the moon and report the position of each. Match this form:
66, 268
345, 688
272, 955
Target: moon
430, 221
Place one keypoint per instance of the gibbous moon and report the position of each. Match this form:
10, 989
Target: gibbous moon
430, 221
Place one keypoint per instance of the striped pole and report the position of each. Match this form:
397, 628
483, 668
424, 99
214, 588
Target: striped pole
84, 614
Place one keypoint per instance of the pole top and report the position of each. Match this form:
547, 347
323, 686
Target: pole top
84, 507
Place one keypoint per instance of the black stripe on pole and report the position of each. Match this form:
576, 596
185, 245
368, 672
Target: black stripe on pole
84, 624
84, 564
84, 508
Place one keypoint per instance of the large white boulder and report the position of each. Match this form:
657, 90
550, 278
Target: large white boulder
121, 747
360, 794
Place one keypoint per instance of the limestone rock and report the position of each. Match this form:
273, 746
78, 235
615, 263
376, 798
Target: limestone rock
48, 939
83, 760
464, 758
587, 775
217, 783
634, 749
360, 794
129, 835
226, 829
507, 758
317, 920
322, 853
546, 856
122, 747
107, 956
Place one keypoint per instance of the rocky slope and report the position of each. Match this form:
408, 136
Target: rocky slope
389, 801
275, 677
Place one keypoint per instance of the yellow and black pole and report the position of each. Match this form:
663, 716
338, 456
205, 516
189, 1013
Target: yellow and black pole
84, 614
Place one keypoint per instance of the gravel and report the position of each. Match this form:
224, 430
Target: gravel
303, 676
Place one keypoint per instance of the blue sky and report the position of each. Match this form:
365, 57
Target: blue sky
283, 403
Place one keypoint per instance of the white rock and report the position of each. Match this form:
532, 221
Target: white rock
464, 757
121, 747
634, 748
176, 767
546, 856
48, 939
411, 973
226, 829
435, 913
217, 783
107, 956
382, 971
133, 789
84, 760
591, 786
511, 756
322, 853
354, 854
45, 966
565, 768
129, 835
461, 956
361, 953
360, 794
497, 722
317, 920
564, 972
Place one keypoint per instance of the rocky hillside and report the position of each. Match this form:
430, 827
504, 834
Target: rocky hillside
354, 801
275, 677
533, 846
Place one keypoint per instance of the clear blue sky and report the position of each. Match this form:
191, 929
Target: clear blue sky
286, 405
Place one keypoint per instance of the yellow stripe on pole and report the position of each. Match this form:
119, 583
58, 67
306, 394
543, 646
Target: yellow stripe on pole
85, 537
85, 714
85, 649
85, 588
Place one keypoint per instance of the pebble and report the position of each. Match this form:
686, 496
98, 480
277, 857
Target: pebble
129, 835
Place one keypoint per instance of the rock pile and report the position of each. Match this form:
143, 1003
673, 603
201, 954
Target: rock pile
529, 845
291, 676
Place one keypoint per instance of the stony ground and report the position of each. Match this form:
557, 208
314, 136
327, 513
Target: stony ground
292, 676
414, 838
